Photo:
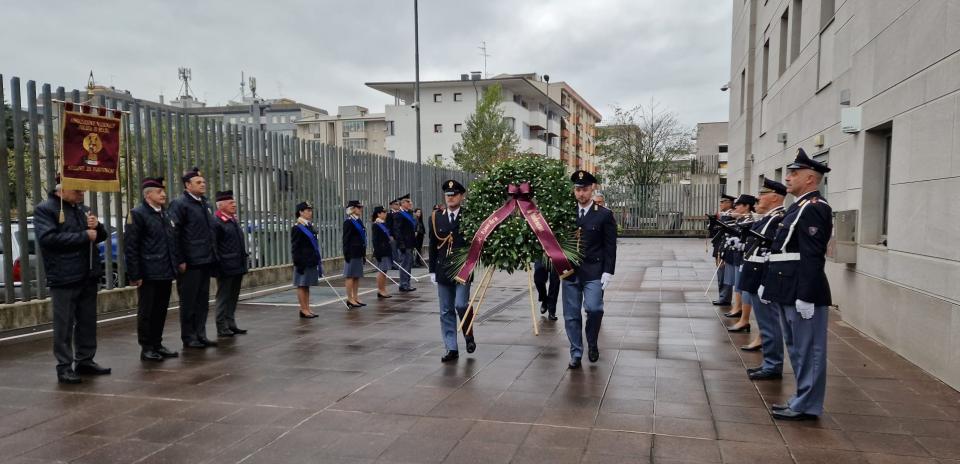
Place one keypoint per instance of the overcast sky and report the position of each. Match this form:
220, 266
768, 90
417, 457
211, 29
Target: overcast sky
613, 52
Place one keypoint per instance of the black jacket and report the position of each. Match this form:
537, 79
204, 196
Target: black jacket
751, 274
354, 243
597, 241
405, 230
445, 239
150, 246
195, 237
231, 247
381, 241
304, 255
795, 266
68, 256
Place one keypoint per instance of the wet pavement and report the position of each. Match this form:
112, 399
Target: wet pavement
367, 385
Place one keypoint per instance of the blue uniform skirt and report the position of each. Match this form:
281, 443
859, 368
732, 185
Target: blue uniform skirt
309, 278
353, 268
729, 274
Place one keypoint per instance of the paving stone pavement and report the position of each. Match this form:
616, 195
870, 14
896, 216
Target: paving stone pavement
366, 385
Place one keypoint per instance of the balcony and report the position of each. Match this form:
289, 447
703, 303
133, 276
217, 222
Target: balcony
537, 121
564, 133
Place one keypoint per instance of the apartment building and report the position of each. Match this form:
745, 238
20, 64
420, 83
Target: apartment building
711, 158
578, 130
446, 106
352, 127
872, 89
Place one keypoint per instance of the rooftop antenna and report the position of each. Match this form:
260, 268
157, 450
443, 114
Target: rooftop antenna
242, 86
484, 54
185, 76
253, 87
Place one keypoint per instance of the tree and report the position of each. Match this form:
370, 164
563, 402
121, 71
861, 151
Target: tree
14, 183
642, 145
487, 138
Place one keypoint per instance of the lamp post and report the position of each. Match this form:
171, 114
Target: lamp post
416, 98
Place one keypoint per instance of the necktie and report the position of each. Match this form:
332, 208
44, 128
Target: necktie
453, 217
582, 213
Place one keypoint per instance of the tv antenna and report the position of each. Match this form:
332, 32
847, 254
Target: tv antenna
242, 86
484, 54
185, 76
253, 87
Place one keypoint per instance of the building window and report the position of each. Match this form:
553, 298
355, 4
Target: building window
784, 22
437, 128
765, 71
353, 126
722, 148
739, 187
438, 158
391, 129
233, 120
273, 119
827, 10
778, 175
391, 153
458, 127
797, 28
511, 123
457, 97
878, 149
355, 144
743, 90
437, 97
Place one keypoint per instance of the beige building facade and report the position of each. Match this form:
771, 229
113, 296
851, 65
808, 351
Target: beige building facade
352, 127
712, 156
871, 87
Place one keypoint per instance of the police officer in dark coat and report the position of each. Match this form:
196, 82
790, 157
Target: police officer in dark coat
405, 233
717, 237
196, 243
583, 291
770, 204
67, 232
151, 254
445, 239
382, 249
231, 263
796, 285
547, 295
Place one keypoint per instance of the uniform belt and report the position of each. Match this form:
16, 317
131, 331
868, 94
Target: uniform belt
784, 257
756, 259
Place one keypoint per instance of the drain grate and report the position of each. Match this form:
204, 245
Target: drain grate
487, 314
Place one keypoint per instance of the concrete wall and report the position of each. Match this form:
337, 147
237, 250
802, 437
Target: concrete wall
24, 315
900, 62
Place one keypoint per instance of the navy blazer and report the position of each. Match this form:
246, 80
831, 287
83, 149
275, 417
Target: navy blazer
795, 270
442, 247
597, 243
754, 265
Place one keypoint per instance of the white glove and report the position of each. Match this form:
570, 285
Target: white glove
433, 278
760, 295
805, 309
605, 280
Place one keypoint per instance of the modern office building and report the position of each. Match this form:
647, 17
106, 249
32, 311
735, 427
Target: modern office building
872, 89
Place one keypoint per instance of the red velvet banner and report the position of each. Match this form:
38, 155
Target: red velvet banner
91, 151
520, 196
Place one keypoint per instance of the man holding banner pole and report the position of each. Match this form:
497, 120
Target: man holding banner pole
445, 239
597, 243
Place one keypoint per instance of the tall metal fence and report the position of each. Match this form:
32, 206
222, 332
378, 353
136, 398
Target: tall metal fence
268, 172
664, 207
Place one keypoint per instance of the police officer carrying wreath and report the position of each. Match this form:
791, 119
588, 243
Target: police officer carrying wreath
67, 234
796, 285
583, 291
445, 238
197, 250
152, 256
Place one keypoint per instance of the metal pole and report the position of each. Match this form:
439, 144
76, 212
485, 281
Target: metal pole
416, 48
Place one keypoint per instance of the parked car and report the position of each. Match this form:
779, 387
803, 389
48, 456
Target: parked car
16, 253
114, 271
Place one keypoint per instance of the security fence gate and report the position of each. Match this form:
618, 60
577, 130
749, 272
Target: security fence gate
268, 172
663, 207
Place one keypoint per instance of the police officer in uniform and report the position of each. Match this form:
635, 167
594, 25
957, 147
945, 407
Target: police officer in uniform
770, 204
196, 243
67, 234
732, 256
547, 295
445, 239
405, 233
583, 291
723, 214
152, 256
796, 285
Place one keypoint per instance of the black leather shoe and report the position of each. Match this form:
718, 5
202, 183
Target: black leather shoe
543, 309
237, 331
471, 345
791, 415
593, 353
721, 303
743, 328
750, 349
751, 370
69, 377
194, 344
779, 406
765, 375
351, 305
150, 355
731, 314
166, 352
383, 296
208, 342
574, 364
225, 333
552, 317
92, 368
450, 355
308, 316
411, 289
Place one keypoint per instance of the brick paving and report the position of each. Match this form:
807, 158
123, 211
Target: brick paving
367, 386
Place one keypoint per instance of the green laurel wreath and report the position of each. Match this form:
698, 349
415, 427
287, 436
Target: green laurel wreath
513, 245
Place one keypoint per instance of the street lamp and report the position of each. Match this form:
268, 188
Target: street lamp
416, 98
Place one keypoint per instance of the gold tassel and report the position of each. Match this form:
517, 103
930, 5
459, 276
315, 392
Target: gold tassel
62, 217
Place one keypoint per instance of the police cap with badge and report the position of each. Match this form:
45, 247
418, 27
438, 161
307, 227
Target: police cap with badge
582, 178
772, 186
452, 187
804, 162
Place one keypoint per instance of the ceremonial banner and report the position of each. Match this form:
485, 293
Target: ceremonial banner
91, 150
